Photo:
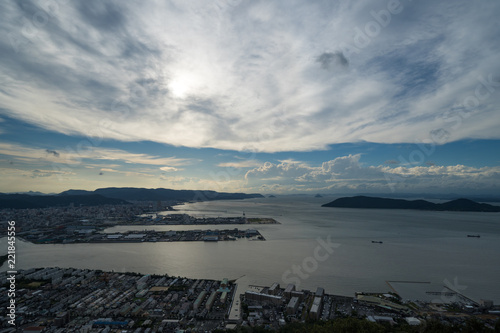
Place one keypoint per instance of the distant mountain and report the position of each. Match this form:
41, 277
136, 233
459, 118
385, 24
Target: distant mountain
462, 205
76, 192
161, 194
33, 193
114, 196
43, 201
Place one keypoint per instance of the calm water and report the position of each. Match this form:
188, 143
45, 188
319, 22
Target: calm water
417, 246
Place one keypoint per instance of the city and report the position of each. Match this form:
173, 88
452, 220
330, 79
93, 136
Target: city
250, 166
83, 300
87, 225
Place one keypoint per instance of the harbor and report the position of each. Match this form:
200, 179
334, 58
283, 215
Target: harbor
196, 235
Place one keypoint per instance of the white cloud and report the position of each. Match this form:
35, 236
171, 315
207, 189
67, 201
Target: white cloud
169, 169
109, 170
49, 173
70, 156
348, 174
239, 164
98, 153
24, 153
214, 74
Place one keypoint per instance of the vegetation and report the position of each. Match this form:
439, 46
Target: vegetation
28, 284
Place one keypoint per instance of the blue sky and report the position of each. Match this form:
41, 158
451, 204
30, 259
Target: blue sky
251, 96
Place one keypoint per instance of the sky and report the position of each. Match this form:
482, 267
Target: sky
254, 96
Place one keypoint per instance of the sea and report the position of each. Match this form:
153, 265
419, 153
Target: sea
339, 249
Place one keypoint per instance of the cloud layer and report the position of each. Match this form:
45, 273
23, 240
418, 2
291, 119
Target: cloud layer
258, 75
347, 174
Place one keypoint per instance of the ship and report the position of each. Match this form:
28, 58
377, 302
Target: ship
477, 236
378, 242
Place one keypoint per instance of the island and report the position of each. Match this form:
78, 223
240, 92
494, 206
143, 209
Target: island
459, 205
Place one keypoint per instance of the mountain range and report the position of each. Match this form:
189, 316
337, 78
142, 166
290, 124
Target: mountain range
113, 196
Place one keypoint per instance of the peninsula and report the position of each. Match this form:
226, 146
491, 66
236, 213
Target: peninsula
461, 205
115, 196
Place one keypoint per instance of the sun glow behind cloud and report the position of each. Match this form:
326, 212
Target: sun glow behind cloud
246, 76
217, 74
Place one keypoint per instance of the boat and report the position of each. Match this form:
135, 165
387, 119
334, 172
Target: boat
378, 242
477, 236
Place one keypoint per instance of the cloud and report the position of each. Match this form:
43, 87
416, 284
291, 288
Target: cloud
169, 169
229, 76
239, 164
109, 170
49, 173
53, 152
330, 61
88, 154
348, 174
286, 171
99, 153
25, 153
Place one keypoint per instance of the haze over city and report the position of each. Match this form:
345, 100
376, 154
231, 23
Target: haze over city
240, 96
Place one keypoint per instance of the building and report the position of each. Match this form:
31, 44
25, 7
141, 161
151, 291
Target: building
211, 300
412, 321
299, 294
135, 236
62, 318
288, 290
320, 292
199, 300
251, 232
381, 319
263, 297
292, 306
223, 297
274, 289
316, 308
486, 303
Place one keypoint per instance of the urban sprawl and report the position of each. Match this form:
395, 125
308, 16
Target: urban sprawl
82, 300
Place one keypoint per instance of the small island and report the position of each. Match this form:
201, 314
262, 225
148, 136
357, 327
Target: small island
459, 205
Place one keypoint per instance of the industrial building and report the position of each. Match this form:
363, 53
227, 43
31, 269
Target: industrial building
263, 297
292, 306
316, 308
274, 289
288, 290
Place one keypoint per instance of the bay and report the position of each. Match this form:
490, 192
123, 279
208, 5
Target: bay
417, 246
